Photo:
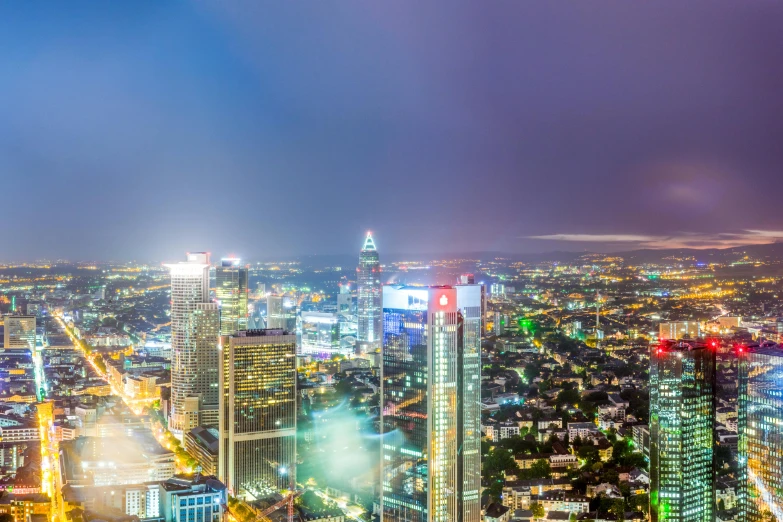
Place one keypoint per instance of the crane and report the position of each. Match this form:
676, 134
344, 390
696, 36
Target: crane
288, 499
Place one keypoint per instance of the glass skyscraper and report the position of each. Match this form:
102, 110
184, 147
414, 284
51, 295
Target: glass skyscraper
231, 293
258, 412
760, 426
368, 303
682, 413
189, 287
430, 387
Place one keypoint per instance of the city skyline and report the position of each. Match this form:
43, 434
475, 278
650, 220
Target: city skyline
536, 129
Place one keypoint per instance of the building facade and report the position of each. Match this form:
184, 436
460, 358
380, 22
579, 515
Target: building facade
204, 329
189, 287
258, 412
320, 334
682, 412
19, 331
760, 426
280, 312
231, 293
369, 333
430, 418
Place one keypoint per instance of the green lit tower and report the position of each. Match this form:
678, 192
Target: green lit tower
231, 294
760, 429
682, 413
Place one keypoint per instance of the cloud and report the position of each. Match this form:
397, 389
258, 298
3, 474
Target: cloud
680, 240
598, 238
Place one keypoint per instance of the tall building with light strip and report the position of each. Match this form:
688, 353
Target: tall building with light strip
369, 334
430, 417
231, 293
760, 427
258, 412
682, 414
189, 288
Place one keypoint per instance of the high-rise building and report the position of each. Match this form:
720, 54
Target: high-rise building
19, 331
231, 293
679, 330
280, 312
430, 418
258, 412
682, 413
320, 334
369, 333
204, 330
760, 427
189, 287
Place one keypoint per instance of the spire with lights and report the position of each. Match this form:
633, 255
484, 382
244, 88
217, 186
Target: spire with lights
369, 244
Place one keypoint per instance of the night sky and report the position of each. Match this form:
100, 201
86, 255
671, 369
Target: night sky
141, 130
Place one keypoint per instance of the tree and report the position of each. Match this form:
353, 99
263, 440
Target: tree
531, 372
567, 397
721, 505
538, 510
6, 517
541, 469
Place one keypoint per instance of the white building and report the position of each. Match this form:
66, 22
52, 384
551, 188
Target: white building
189, 288
19, 331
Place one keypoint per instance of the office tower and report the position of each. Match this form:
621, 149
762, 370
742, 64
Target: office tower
258, 412
430, 385
281, 312
320, 334
467, 279
369, 330
231, 293
344, 299
682, 413
679, 330
189, 287
204, 329
760, 427
19, 331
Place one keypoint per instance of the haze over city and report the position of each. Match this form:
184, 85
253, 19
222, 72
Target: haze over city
331, 260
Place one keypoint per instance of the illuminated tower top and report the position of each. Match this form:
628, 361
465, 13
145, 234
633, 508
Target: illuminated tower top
369, 243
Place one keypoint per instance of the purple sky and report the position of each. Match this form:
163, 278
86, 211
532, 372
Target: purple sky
146, 129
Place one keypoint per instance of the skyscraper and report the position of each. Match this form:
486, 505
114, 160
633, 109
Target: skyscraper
204, 332
281, 312
19, 331
760, 427
430, 385
189, 287
231, 292
369, 331
258, 412
682, 413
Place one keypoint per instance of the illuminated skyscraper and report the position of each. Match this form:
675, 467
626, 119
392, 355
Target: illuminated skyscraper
281, 312
369, 332
19, 331
760, 427
430, 418
231, 293
258, 412
204, 331
682, 413
189, 287
320, 334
